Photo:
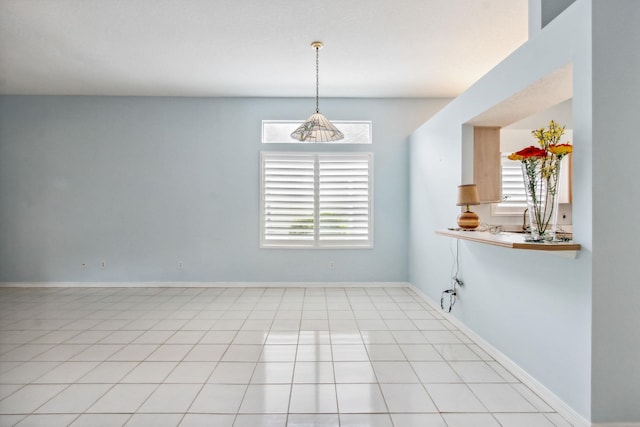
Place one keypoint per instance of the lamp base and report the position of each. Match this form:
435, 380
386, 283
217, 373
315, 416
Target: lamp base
468, 220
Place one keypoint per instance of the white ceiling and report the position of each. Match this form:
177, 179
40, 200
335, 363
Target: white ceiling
373, 48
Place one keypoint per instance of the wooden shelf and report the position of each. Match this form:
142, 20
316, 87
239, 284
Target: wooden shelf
509, 240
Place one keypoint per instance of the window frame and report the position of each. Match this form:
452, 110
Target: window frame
317, 242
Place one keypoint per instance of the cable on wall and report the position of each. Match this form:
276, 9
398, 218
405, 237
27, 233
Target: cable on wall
456, 282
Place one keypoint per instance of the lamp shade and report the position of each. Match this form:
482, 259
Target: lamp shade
317, 129
468, 195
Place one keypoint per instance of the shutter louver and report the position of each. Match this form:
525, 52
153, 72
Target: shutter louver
344, 199
289, 199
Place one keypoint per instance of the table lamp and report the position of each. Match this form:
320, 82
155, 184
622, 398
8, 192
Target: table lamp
468, 195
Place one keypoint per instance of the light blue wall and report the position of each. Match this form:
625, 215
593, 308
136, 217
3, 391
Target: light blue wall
616, 251
533, 307
573, 325
143, 183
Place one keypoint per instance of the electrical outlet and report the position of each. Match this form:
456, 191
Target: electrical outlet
332, 265
180, 265
564, 214
103, 264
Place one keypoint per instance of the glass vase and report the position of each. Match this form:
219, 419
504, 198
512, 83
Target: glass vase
541, 180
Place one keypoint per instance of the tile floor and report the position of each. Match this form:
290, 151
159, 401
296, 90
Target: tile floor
366, 356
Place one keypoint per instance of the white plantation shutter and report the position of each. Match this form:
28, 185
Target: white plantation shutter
512, 182
514, 199
288, 199
344, 199
316, 200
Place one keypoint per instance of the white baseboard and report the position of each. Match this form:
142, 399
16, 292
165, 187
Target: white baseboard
547, 395
203, 284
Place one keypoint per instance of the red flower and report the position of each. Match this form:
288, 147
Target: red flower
531, 151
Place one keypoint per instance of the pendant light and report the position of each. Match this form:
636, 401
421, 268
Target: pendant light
317, 128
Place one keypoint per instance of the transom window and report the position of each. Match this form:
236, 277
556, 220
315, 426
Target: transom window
316, 200
279, 132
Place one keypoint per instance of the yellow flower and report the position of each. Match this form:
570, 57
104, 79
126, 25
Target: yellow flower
514, 156
561, 149
548, 136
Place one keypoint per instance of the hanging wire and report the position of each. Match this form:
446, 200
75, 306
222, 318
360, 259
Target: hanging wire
317, 78
452, 300
455, 281
455, 268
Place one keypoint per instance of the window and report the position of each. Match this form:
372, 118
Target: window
316, 200
279, 131
514, 199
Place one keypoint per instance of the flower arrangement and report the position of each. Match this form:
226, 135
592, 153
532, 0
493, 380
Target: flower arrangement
541, 172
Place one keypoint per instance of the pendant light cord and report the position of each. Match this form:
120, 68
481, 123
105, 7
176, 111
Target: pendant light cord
317, 79
317, 128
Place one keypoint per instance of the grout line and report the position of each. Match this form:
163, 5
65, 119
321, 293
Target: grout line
181, 301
